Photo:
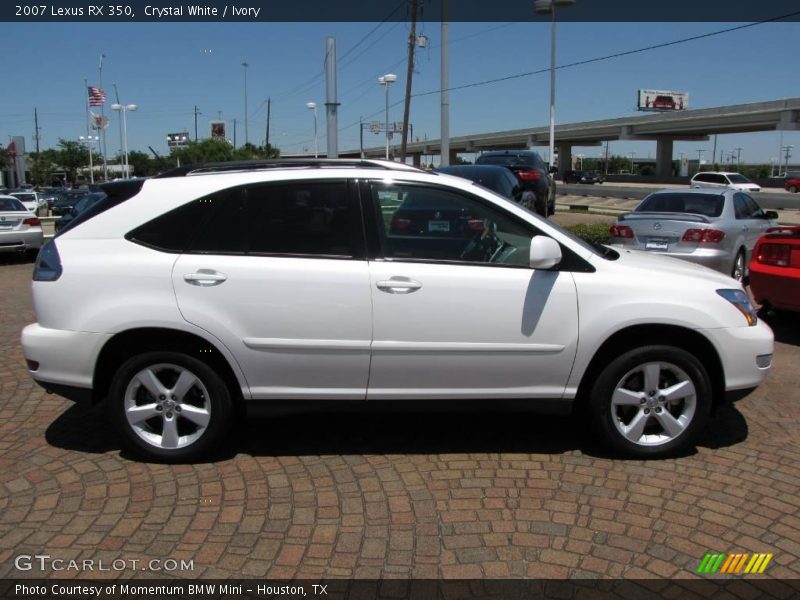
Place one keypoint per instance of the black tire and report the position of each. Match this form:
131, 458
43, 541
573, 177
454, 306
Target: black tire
610, 419
209, 394
793, 189
740, 257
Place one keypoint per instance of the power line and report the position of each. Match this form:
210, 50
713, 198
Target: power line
610, 56
583, 62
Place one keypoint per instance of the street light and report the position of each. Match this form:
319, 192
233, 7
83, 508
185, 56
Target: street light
246, 139
545, 7
89, 140
787, 150
313, 106
739, 157
124, 109
386, 81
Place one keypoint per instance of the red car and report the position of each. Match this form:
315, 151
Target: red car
792, 184
775, 269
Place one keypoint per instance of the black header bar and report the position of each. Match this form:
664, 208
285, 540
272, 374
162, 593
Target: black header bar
154, 11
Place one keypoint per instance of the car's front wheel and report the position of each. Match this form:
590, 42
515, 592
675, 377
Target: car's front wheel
652, 401
739, 270
169, 406
793, 189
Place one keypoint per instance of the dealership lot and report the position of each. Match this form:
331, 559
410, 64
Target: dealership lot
372, 494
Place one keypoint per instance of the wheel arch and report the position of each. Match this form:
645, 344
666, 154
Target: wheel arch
126, 344
656, 334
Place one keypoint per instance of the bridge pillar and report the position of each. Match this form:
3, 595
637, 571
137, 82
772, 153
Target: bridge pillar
416, 160
664, 157
564, 158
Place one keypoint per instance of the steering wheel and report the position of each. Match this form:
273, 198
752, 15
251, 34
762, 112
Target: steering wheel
484, 245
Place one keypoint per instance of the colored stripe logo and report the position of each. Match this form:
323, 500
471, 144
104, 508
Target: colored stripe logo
733, 564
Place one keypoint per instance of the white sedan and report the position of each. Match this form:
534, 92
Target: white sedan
20, 229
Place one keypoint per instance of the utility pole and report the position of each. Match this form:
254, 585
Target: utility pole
269, 107
444, 135
36, 124
116, 95
606, 165
195, 121
412, 43
361, 137
234, 134
331, 100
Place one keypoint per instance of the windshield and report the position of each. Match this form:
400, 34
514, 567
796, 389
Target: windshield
508, 160
736, 178
709, 205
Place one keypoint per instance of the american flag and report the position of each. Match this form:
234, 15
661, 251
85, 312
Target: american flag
96, 96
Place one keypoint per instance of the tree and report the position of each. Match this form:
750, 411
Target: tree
43, 164
5, 159
71, 156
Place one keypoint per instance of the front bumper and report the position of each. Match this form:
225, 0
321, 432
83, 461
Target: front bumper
745, 353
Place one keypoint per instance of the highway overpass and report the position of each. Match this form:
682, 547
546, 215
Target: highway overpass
663, 128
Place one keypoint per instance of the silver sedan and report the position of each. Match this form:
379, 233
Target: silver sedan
20, 229
717, 229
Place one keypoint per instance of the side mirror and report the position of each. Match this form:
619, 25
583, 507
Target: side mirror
545, 252
771, 215
552, 169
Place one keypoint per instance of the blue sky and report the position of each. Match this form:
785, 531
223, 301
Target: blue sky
168, 68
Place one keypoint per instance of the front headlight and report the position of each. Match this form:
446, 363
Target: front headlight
742, 302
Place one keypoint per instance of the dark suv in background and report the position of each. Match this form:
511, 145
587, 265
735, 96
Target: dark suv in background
532, 173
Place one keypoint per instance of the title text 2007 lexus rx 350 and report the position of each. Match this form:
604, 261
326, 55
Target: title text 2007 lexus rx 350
217, 287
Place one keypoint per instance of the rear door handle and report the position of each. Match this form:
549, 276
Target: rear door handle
205, 278
398, 285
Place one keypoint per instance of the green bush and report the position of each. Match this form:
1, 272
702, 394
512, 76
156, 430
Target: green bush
592, 232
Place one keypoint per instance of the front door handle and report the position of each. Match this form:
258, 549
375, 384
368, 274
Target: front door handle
205, 277
398, 285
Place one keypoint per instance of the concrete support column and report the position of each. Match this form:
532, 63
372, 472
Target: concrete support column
416, 160
564, 158
453, 157
664, 157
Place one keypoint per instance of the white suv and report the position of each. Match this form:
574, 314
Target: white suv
209, 289
720, 180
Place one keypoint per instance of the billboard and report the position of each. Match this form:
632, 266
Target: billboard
217, 129
659, 100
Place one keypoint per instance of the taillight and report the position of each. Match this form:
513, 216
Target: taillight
621, 231
48, 263
32, 221
399, 224
529, 175
777, 255
477, 225
711, 236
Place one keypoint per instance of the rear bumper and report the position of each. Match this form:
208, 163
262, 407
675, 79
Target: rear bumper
20, 241
66, 359
780, 291
718, 260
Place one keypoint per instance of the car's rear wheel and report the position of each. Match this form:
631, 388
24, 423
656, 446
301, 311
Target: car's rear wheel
652, 401
793, 189
169, 406
739, 271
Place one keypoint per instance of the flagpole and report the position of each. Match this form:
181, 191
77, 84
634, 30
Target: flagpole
88, 110
102, 129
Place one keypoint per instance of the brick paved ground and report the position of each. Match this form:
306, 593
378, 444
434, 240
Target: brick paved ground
377, 495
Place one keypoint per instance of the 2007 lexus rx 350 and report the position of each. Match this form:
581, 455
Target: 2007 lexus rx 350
217, 287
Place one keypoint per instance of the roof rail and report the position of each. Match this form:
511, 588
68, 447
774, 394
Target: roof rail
283, 163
